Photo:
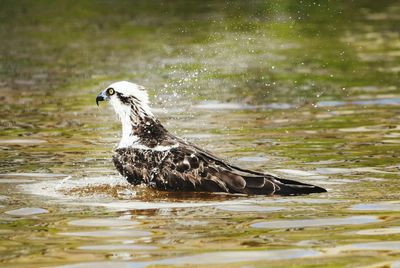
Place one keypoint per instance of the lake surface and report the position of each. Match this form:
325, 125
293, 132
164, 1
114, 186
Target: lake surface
306, 90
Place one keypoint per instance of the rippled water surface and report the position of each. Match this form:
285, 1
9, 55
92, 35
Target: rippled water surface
302, 89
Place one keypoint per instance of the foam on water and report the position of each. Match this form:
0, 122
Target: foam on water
65, 189
113, 193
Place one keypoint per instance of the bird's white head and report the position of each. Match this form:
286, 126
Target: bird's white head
126, 97
131, 103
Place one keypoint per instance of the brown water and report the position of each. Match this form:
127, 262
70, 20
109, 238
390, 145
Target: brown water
309, 91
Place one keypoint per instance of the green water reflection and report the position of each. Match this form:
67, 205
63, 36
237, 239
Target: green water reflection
303, 89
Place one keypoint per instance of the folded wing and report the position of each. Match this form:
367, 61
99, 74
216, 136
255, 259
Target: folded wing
189, 168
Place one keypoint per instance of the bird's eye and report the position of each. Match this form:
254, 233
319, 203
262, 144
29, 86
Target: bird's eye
110, 91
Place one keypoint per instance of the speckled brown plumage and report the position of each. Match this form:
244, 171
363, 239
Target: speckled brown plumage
189, 168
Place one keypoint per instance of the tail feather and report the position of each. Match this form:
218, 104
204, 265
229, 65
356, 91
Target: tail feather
290, 187
278, 186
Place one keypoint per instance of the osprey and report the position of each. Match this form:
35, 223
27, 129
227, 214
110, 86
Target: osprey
149, 154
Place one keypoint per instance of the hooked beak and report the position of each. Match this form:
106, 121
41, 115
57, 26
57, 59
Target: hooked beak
100, 97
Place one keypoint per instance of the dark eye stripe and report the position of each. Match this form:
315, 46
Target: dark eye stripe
123, 99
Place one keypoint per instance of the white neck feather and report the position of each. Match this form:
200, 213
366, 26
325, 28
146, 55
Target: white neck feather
127, 138
124, 113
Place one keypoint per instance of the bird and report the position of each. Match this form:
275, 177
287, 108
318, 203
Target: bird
149, 154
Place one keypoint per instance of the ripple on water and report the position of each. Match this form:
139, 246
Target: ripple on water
139, 205
110, 233
240, 256
22, 142
253, 159
354, 220
324, 162
329, 171
296, 172
249, 208
301, 173
279, 106
41, 175
376, 128
15, 181
391, 141
384, 206
15, 177
330, 103
381, 101
387, 245
380, 231
26, 211
300, 200
317, 201
191, 223
118, 247
111, 222
223, 257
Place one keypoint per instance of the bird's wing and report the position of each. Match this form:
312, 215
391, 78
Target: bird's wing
188, 167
